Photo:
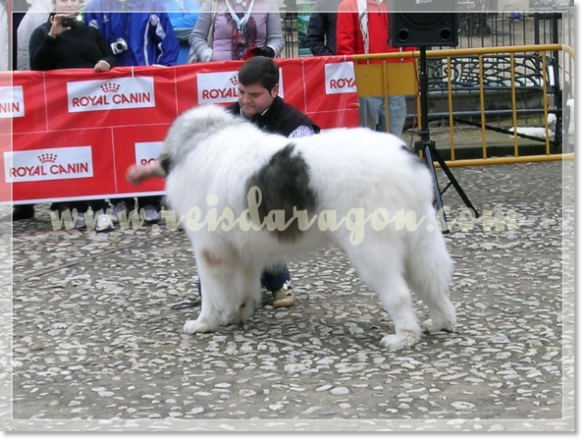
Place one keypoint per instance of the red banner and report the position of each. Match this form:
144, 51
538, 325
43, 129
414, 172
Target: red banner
71, 134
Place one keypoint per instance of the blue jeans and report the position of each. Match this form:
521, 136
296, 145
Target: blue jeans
372, 113
155, 201
271, 279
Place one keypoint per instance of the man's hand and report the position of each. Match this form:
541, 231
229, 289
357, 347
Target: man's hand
102, 66
137, 174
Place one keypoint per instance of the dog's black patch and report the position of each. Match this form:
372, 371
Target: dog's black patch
284, 185
166, 164
405, 147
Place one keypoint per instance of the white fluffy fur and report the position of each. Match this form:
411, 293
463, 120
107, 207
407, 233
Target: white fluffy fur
215, 153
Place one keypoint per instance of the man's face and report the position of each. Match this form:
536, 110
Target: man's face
255, 99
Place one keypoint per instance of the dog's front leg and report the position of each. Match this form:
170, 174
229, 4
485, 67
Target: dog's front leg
209, 319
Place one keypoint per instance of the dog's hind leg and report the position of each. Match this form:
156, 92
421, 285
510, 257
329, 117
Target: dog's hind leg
382, 270
428, 272
252, 294
396, 299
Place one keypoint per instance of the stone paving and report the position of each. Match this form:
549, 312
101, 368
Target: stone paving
96, 344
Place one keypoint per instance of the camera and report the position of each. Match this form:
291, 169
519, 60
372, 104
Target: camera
119, 46
68, 22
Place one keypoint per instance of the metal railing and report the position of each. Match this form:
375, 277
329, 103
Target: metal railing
483, 29
550, 104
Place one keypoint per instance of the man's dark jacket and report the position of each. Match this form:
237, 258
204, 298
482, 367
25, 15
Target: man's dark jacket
280, 118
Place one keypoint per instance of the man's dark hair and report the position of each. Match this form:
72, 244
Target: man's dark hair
259, 70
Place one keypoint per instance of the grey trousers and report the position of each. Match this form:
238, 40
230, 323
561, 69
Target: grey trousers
371, 111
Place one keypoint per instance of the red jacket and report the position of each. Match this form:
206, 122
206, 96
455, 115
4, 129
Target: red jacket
349, 35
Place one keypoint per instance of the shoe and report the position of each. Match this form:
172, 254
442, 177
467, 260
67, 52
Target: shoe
284, 297
104, 223
80, 221
118, 209
23, 211
151, 214
66, 212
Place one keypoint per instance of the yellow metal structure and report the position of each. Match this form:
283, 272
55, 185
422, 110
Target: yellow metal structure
379, 79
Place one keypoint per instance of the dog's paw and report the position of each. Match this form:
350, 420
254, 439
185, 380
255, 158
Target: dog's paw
430, 326
197, 326
398, 342
246, 311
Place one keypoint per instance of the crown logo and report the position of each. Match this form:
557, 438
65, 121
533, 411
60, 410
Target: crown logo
47, 157
234, 80
110, 87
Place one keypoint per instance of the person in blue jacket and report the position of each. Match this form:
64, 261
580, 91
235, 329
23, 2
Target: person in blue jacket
140, 31
140, 34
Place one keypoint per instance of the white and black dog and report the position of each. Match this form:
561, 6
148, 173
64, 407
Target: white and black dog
252, 200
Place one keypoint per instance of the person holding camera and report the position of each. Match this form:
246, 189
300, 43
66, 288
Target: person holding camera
66, 42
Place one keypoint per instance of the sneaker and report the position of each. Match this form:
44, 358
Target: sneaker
104, 223
151, 214
118, 209
80, 221
23, 211
284, 297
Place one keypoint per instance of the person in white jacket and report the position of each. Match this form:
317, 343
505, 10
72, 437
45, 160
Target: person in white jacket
36, 15
4, 50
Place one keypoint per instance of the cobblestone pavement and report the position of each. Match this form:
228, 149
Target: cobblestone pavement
96, 343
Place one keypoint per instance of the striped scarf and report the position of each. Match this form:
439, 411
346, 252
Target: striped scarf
362, 6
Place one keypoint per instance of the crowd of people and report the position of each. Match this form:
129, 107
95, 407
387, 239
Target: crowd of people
102, 34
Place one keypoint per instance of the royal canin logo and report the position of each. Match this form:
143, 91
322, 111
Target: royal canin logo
221, 93
110, 97
49, 168
341, 83
10, 108
121, 93
220, 87
47, 158
110, 87
11, 102
339, 78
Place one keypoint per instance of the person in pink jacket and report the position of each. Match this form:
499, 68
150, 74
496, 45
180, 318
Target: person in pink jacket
228, 29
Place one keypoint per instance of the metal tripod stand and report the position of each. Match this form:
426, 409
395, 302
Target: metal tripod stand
430, 152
